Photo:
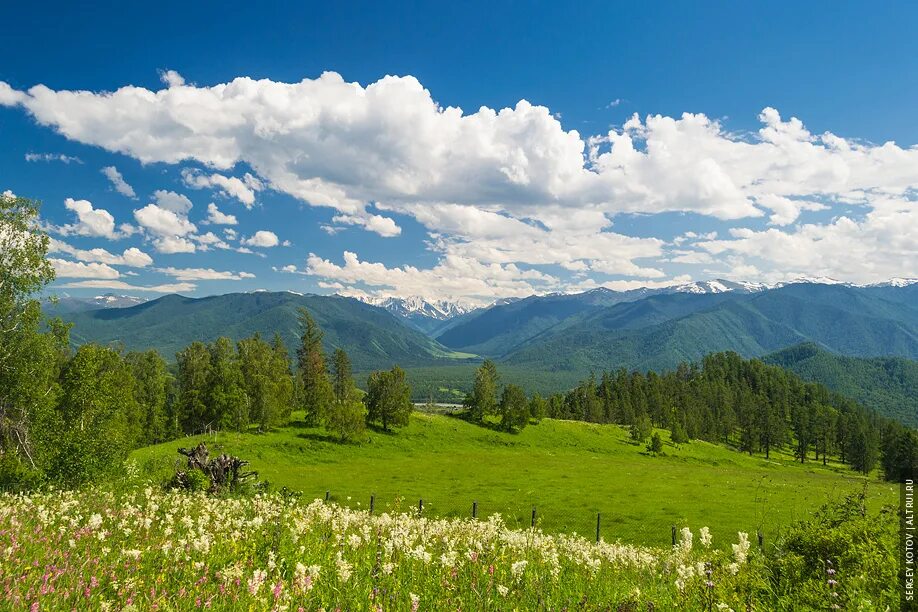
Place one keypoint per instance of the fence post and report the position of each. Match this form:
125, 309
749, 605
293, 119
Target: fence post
475, 509
674, 534
420, 505
761, 538
532, 523
598, 517
372, 503
327, 495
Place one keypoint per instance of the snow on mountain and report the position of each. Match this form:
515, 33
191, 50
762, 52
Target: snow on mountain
110, 300
814, 280
718, 285
895, 282
414, 306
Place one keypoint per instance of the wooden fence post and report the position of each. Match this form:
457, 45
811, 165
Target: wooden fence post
475, 509
327, 495
372, 503
598, 517
674, 534
761, 538
420, 505
532, 523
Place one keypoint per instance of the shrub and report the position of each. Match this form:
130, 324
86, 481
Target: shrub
842, 549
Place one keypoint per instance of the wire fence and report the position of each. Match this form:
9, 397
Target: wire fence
609, 525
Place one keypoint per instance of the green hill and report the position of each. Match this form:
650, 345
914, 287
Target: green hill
568, 471
889, 385
845, 320
372, 337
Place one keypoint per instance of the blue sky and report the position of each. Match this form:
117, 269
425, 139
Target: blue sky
379, 188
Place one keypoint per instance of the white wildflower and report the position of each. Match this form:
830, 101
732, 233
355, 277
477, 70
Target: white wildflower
741, 549
517, 568
705, 536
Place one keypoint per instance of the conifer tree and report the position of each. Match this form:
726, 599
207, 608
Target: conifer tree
315, 387
483, 400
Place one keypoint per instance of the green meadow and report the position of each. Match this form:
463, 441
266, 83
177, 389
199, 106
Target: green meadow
568, 471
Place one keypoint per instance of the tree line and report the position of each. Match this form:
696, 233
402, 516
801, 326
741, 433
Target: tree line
743, 403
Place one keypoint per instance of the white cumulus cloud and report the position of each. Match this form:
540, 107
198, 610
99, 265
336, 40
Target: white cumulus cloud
215, 217
262, 238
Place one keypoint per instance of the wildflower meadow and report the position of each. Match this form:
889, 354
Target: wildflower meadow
146, 549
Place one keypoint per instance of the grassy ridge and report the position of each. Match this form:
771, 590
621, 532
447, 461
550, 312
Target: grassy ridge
568, 470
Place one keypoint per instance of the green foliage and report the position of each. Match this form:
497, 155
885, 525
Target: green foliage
388, 398
347, 419
195, 412
513, 409
315, 387
226, 393
677, 433
268, 384
886, 384
190, 480
900, 453
99, 417
342, 379
656, 444
29, 360
482, 401
538, 408
844, 543
151, 392
640, 427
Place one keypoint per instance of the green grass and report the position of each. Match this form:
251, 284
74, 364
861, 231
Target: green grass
569, 471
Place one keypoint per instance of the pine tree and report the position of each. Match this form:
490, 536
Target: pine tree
316, 392
640, 427
656, 443
342, 383
483, 400
678, 434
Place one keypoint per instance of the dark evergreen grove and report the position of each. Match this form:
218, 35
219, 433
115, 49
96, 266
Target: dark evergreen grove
746, 404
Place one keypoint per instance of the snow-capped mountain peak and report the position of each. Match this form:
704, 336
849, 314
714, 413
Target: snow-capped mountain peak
110, 300
718, 285
415, 306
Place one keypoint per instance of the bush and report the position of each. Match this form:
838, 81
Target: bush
192, 480
843, 543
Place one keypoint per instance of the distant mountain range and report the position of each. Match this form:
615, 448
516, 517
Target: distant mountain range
69, 304
660, 331
373, 337
577, 333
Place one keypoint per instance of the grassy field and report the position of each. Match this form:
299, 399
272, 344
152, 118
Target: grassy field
569, 471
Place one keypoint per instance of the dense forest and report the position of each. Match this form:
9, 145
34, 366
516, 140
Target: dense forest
747, 404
